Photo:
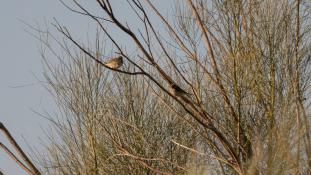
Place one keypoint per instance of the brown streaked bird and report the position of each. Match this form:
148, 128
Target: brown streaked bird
177, 91
114, 63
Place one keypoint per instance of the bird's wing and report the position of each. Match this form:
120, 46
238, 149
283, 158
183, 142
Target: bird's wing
111, 60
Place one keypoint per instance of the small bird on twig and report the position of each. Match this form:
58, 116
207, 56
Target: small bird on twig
114, 63
177, 91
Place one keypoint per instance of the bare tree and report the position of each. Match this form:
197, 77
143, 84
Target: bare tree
229, 82
111, 123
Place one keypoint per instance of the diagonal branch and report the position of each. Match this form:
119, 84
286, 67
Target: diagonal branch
19, 149
7, 150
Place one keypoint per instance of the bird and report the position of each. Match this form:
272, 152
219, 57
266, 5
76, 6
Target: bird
177, 91
114, 63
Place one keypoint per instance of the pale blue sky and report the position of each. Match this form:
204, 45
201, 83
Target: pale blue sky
21, 63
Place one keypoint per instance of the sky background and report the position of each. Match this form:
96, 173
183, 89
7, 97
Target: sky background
21, 66
21, 92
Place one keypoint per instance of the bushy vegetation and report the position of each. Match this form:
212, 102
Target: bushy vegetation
245, 64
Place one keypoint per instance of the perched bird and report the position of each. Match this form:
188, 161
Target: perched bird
114, 63
177, 91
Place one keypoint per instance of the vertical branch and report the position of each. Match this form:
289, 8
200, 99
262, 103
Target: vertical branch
297, 81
